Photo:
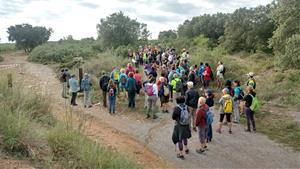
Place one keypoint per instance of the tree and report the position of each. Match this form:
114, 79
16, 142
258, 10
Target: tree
248, 29
118, 29
28, 37
286, 16
291, 58
167, 35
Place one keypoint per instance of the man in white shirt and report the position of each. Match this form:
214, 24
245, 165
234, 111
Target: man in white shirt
220, 75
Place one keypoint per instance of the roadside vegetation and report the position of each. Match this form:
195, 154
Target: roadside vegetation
28, 130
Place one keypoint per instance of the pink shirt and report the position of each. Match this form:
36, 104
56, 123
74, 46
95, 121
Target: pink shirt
138, 77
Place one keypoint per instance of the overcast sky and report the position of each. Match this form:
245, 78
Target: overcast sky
79, 17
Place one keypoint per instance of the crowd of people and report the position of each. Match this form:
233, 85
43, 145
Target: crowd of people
180, 86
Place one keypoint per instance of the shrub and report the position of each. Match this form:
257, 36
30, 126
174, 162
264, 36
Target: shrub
76, 151
1, 58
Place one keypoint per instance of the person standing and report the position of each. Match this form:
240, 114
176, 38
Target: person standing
103, 83
152, 92
220, 74
131, 90
226, 110
191, 100
86, 86
207, 75
112, 93
64, 78
138, 78
73, 89
176, 87
123, 81
182, 131
249, 113
251, 80
200, 122
164, 94
115, 76
210, 103
236, 101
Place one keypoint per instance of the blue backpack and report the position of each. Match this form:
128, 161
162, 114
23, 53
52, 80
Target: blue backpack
209, 117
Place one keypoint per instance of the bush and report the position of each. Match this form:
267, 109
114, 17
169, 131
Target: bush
7, 47
75, 151
1, 59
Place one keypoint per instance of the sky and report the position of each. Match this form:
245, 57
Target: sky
80, 17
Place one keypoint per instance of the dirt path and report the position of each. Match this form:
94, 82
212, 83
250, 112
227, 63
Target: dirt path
149, 142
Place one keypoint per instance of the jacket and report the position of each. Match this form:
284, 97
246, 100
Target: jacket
200, 119
131, 85
191, 98
73, 85
103, 82
86, 84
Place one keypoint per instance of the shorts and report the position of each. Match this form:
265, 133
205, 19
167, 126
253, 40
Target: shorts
228, 117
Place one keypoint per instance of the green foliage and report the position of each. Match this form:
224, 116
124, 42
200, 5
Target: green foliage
67, 52
7, 47
165, 36
28, 37
291, 58
248, 29
211, 26
286, 15
75, 151
118, 29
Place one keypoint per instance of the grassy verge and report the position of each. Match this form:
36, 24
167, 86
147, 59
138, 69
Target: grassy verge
28, 130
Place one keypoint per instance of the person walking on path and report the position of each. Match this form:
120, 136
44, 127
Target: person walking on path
210, 103
200, 122
152, 93
103, 83
182, 131
73, 89
226, 110
249, 113
238, 95
86, 86
112, 93
64, 78
131, 90
164, 94
176, 86
191, 100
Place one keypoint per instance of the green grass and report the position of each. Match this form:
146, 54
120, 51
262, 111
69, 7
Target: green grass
29, 130
7, 47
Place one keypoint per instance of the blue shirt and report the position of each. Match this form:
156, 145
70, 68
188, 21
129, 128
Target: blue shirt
86, 84
73, 85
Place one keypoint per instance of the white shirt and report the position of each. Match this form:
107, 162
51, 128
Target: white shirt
220, 69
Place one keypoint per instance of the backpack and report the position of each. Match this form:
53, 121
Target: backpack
166, 90
111, 92
149, 89
184, 116
209, 117
228, 106
241, 94
179, 86
116, 75
223, 71
255, 104
123, 80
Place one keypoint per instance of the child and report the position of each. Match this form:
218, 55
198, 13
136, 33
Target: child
112, 93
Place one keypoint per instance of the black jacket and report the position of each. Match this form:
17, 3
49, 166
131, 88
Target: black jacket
191, 98
103, 82
248, 99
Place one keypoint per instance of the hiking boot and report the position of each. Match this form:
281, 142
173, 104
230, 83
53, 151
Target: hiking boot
148, 116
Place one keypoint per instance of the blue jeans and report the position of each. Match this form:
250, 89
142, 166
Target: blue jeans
112, 104
209, 132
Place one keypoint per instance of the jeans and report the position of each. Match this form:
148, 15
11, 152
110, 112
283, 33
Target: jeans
236, 111
112, 104
87, 98
151, 104
250, 118
131, 99
73, 98
209, 132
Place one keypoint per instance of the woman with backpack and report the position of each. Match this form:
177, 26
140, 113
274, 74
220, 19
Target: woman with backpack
152, 93
210, 103
112, 93
182, 131
200, 122
226, 110
164, 94
249, 113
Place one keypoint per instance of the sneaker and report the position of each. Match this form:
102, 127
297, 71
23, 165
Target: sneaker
200, 151
180, 156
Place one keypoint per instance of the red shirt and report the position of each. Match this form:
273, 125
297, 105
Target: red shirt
207, 73
200, 120
129, 69
138, 77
